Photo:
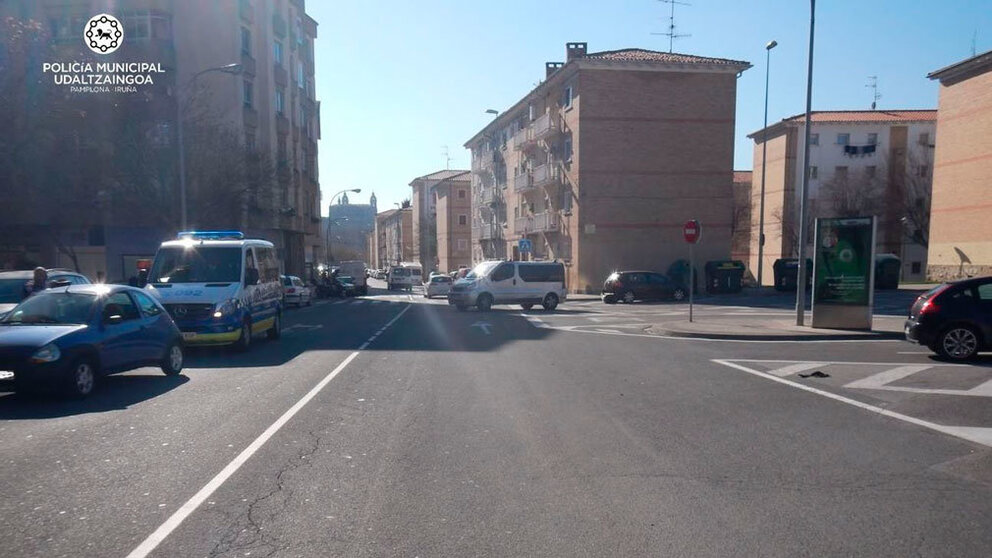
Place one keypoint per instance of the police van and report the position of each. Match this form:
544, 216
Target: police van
219, 287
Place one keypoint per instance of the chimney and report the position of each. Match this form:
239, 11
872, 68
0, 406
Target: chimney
574, 50
551, 67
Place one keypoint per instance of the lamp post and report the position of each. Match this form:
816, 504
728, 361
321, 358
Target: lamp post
804, 194
764, 156
330, 221
233, 69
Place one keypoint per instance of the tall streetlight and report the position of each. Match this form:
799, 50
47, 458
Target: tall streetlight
804, 194
330, 221
233, 69
764, 154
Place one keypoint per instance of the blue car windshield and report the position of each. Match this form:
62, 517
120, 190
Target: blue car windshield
53, 308
197, 264
12, 290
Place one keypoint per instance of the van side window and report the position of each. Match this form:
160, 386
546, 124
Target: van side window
268, 265
503, 272
542, 273
249, 260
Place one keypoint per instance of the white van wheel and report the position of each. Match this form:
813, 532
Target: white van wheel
550, 301
485, 302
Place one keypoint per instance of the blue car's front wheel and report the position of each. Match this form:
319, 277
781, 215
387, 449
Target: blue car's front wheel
172, 363
80, 379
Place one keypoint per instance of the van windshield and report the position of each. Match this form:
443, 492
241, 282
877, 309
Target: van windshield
197, 264
482, 270
400, 272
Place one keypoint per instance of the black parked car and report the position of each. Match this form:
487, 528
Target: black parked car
66, 338
954, 320
628, 286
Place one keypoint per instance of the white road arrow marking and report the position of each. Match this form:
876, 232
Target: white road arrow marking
307, 327
484, 326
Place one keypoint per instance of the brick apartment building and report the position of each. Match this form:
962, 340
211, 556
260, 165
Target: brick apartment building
454, 224
266, 103
423, 200
960, 228
740, 247
393, 237
602, 162
861, 162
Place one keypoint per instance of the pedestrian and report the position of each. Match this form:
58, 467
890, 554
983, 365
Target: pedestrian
38, 283
100, 277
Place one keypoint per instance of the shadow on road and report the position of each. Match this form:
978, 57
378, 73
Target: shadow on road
112, 394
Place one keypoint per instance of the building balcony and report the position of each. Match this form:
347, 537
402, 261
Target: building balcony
538, 223
544, 127
250, 117
544, 175
486, 231
487, 196
521, 139
279, 75
523, 183
247, 65
278, 25
282, 125
246, 10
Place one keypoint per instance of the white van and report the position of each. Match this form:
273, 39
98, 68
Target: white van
499, 282
404, 276
219, 287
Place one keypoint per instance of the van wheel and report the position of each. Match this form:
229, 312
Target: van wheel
485, 302
275, 332
550, 302
958, 343
244, 341
527, 306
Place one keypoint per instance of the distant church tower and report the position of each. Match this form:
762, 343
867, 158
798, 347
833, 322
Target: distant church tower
344, 198
372, 202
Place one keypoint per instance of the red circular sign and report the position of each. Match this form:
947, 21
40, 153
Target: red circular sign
691, 230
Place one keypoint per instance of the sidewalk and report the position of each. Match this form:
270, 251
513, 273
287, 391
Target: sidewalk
763, 328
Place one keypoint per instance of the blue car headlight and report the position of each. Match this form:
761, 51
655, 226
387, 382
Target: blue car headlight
227, 308
48, 353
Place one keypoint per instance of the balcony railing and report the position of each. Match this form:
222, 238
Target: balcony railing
487, 196
484, 232
544, 127
544, 175
540, 222
521, 138
523, 183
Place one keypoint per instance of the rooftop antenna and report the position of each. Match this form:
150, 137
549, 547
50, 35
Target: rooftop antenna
447, 159
974, 39
875, 95
671, 34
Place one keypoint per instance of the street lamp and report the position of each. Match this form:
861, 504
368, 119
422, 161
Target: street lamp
804, 194
764, 155
492, 111
330, 222
233, 69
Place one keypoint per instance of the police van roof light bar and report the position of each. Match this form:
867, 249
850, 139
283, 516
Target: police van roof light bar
211, 235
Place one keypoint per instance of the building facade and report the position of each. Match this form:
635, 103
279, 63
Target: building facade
601, 164
741, 223
454, 225
348, 227
394, 237
423, 200
242, 72
874, 162
960, 231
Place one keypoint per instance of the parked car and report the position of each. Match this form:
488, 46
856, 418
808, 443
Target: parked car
346, 285
14, 285
630, 286
65, 338
295, 291
438, 285
954, 319
498, 282
356, 270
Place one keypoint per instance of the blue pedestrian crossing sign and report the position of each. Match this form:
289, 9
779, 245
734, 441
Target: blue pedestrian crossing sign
525, 246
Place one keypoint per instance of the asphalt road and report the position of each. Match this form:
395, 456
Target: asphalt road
507, 434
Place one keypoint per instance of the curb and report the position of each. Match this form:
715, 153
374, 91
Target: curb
873, 336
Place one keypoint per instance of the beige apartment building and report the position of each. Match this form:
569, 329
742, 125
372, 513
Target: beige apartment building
423, 200
741, 224
862, 162
393, 237
960, 228
264, 97
454, 225
601, 164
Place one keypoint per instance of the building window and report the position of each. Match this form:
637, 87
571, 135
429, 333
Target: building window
245, 41
924, 171
925, 138
280, 102
461, 194
144, 25
814, 139
840, 173
250, 144
872, 139
566, 97
299, 74
870, 171
814, 172
462, 220
843, 139
277, 52
917, 267
566, 149
248, 94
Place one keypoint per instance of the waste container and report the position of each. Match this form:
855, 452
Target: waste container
787, 273
887, 268
678, 272
724, 276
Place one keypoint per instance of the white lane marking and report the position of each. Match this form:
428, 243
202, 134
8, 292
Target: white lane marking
794, 368
972, 434
484, 326
608, 331
534, 321
913, 353
878, 381
709, 340
163, 531
309, 327
603, 319
842, 362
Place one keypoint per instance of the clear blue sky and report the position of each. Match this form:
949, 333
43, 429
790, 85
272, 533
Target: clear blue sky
399, 79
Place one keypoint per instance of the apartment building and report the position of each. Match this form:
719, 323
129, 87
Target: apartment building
240, 69
423, 200
870, 162
394, 237
602, 162
454, 225
960, 230
741, 224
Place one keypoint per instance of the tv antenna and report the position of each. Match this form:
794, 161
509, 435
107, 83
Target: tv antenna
447, 158
671, 34
875, 95
974, 39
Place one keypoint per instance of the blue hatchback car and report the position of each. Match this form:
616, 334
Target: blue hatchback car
66, 338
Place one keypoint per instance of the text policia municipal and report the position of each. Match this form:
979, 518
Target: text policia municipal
102, 73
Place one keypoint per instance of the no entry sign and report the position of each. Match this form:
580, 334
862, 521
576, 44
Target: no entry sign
692, 231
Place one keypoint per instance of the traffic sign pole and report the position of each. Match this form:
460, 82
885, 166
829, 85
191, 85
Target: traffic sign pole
692, 231
692, 277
